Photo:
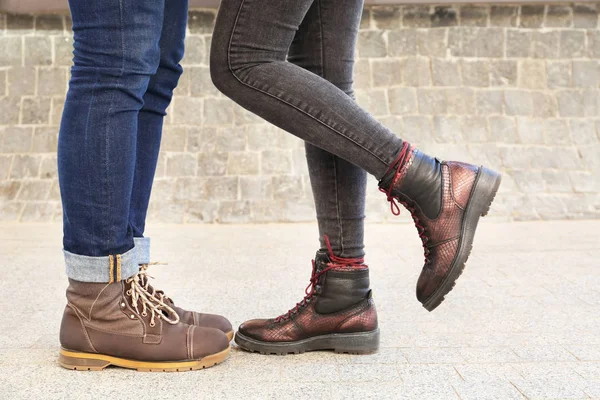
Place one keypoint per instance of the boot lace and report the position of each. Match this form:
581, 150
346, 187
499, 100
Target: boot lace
399, 163
420, 228
154, 301
144, 279
312, 288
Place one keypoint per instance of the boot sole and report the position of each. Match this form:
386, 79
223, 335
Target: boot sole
482, 196
230, 335
97, 362
350, 343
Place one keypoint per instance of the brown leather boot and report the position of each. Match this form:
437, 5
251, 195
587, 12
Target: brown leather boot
446, 200
337, 314
121, 324
187, 317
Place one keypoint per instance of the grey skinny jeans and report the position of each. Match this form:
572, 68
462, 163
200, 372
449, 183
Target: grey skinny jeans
291, 62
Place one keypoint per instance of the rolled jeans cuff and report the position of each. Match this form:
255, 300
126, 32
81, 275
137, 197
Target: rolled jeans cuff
109, 269
142, 246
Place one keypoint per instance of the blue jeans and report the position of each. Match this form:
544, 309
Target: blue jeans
126, 66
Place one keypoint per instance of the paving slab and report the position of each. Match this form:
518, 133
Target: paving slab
522, 323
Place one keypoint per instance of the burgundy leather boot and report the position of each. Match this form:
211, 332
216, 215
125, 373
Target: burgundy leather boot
446, 200
338, 313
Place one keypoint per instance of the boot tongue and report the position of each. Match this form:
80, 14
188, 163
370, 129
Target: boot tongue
321, 260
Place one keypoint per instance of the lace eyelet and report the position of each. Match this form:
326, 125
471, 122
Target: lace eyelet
122, 305
132, 316
144, 314
152, 324
128, 292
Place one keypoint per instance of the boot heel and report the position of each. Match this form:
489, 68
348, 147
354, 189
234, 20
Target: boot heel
81, 361
357, 343
485, 190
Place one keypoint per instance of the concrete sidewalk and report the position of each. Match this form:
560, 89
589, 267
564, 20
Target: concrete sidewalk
522, 322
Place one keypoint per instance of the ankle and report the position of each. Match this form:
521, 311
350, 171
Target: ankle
417, 179
345, 283
343, 288
396, 168
348, 258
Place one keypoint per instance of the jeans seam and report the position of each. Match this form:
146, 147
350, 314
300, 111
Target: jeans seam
322, 43
337, 206
110, 110
122, 36
87, 126
333, 156
282, 100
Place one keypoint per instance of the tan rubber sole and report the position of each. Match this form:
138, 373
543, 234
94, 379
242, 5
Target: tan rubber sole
230, 335
97, 362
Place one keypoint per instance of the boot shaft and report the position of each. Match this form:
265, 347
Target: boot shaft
339, 288
100, 306
96, 301
417, 180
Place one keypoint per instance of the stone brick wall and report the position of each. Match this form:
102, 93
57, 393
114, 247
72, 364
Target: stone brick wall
514, 87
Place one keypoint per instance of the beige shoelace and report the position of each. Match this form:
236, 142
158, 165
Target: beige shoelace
150, 299
144, 279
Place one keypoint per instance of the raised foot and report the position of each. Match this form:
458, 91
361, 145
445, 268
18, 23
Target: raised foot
482, 196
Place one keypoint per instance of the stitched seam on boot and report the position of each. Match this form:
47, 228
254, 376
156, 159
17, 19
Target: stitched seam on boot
114, 332
90, 326
190, 342
299, 328
94, 303
360, 310
82, 326
443, 242
128, 311
153, 335
452, 189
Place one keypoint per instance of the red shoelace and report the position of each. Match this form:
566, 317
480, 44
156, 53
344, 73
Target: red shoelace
310, 291
420, 228
398, 164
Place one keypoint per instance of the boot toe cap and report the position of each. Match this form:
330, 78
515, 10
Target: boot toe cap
254, 328
206, 341
213, 321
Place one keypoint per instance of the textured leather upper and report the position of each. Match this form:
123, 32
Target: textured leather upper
342, 303
361, 317
441, 232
